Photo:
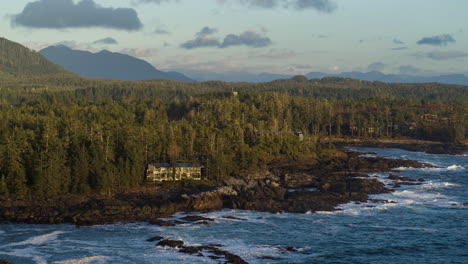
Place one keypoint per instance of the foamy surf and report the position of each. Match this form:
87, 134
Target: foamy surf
455, 167
85, 260
39, 240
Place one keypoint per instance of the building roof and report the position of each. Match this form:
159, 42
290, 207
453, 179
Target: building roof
167, 165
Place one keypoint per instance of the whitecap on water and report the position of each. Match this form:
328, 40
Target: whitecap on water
39, 240
436, 185
455, 167
85, 260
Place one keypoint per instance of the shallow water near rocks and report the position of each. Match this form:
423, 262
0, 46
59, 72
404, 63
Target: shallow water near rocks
426, 224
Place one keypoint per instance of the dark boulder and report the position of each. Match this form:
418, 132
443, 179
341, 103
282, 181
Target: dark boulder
156, 238
190, 250
234, 218
205, 223
400, 178
171, 243
195, 218
410, 183
4, 261
160, 222
291, 249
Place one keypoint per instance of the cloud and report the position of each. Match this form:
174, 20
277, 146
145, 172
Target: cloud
153, 1
200, 42
248, 38
161, 31
376, 66
140, 52
108, 41
60, 14
326, 6
440, 40
206, 31
446, 55
398, 41
320, 5
399, 48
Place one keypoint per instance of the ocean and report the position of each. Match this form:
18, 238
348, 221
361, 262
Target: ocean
425, 223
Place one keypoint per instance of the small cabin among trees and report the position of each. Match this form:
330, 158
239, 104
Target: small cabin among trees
158, 172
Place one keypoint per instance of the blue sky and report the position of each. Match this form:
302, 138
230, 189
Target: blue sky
423, 37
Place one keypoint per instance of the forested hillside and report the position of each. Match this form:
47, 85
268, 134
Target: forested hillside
65, 134
100, 139
17, 59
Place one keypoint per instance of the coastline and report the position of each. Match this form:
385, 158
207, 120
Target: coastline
291, 185
430, 147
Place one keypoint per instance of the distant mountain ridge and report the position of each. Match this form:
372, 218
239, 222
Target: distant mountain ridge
394, 78
19, 60
107, 65
368, 76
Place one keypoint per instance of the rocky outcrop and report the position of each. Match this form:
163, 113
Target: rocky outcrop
336, 176
196, 218
4, 261
156, 238
170, 243
213, 252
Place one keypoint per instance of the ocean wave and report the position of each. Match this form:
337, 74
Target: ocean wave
85, 260
455, 167
418, 195
436, 184
39, 240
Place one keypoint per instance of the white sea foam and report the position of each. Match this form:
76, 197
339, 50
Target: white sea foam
39, 240
85, 260
403, 168
437, 184
455, 167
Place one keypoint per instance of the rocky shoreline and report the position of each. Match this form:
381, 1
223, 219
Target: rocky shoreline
293, 185
431, 148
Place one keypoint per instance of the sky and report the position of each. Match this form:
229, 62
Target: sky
416, 37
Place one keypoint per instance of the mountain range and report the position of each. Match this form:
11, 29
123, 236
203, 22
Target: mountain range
18, 60
367, 76
106, 64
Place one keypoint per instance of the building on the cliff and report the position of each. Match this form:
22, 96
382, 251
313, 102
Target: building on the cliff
158, 172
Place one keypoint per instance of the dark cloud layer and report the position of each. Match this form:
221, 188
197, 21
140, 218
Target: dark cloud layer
440, 40
109, 41
204, 38
200, 42
207, 31
59, 14
248, 38
320, 5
